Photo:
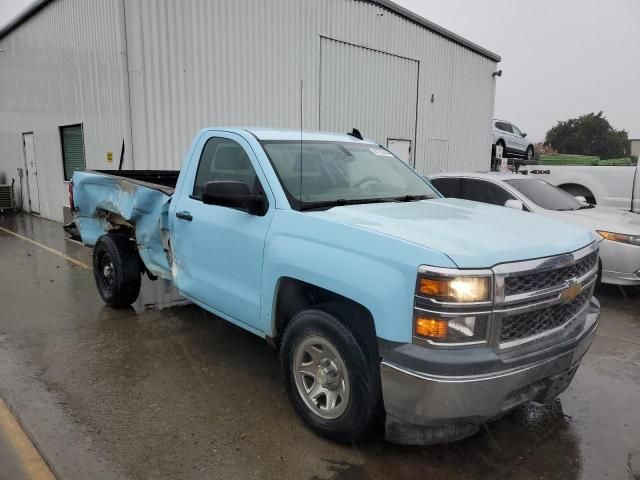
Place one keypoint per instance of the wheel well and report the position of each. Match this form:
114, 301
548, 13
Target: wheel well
578, 190
294, 296
117, 223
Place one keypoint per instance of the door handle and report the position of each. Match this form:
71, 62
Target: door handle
184, 216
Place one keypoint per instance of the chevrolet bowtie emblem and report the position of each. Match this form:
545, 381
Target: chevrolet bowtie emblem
571, 292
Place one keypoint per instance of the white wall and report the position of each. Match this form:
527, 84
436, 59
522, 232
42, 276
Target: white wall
65, 65
240, 62
196, 63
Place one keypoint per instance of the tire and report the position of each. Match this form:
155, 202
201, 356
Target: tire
341, 370
495, 161
116, 270
529, 155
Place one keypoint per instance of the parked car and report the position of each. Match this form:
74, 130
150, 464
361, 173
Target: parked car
618, 231
382, 296
608, 186
514, 143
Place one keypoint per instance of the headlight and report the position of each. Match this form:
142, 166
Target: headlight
620, 237
452, 306
456, 289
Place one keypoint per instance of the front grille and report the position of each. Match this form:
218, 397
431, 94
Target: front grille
533, 323
537, 281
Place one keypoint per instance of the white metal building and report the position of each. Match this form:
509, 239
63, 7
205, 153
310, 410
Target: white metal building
80, 77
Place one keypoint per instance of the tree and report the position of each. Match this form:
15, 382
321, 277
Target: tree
589, 134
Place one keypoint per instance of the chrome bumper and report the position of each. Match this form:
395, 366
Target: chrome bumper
424, 408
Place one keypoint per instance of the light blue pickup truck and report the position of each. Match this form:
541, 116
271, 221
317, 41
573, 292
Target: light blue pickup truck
385, 300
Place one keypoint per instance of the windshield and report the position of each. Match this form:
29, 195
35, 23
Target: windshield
545, 195
324, 174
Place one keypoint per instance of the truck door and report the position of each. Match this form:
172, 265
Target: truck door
218, 251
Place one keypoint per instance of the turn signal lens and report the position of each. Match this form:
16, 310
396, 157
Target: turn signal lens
458, 330
456, 289
620, 237
434, 328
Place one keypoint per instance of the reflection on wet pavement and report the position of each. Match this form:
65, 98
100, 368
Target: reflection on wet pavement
174, 392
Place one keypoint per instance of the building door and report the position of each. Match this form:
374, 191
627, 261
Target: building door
400, 148
31, 172
373, 91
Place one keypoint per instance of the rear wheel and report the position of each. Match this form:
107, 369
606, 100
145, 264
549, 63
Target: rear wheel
328, 377
116, 270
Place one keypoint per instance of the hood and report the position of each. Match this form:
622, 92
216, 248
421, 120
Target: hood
473, 235
601, 218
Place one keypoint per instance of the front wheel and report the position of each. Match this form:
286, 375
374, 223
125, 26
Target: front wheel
328, 378
529, 154
116, 270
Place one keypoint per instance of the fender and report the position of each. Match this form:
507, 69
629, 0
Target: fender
353, 268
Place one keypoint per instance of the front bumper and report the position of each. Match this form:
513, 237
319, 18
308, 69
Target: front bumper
424, 408
621, 278
620, 263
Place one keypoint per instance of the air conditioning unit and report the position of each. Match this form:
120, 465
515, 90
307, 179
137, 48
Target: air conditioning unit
6, 197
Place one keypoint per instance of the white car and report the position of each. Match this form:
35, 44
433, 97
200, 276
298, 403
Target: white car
514, 143
618, 231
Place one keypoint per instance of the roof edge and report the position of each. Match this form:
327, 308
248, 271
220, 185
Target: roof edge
414, 17
31, 9
38, 5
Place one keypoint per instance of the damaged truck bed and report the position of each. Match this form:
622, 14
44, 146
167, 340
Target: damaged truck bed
128, 198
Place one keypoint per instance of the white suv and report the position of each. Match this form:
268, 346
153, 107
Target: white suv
513, 142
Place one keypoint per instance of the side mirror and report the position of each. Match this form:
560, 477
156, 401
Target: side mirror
234, 195
524, 135
581, 199
515, 204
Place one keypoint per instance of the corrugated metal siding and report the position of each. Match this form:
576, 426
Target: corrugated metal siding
63, 66
197, 63
240, 62
368, 89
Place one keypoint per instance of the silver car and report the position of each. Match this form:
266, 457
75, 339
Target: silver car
617, 231
514, 143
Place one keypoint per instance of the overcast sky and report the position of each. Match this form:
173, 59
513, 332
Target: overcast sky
560, 58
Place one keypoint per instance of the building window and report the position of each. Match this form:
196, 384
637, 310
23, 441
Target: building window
72, 142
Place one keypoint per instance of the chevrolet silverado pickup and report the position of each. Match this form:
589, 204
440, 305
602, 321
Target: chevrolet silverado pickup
386, 301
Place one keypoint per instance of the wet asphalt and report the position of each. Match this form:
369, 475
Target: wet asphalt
166, 390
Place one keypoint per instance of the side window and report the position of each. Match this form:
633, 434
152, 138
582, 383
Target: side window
486, 192
224, 159
516, 130
505, 127
448, 187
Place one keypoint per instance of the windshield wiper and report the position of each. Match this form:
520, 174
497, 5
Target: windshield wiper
341, 202
412, 198
582, 207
